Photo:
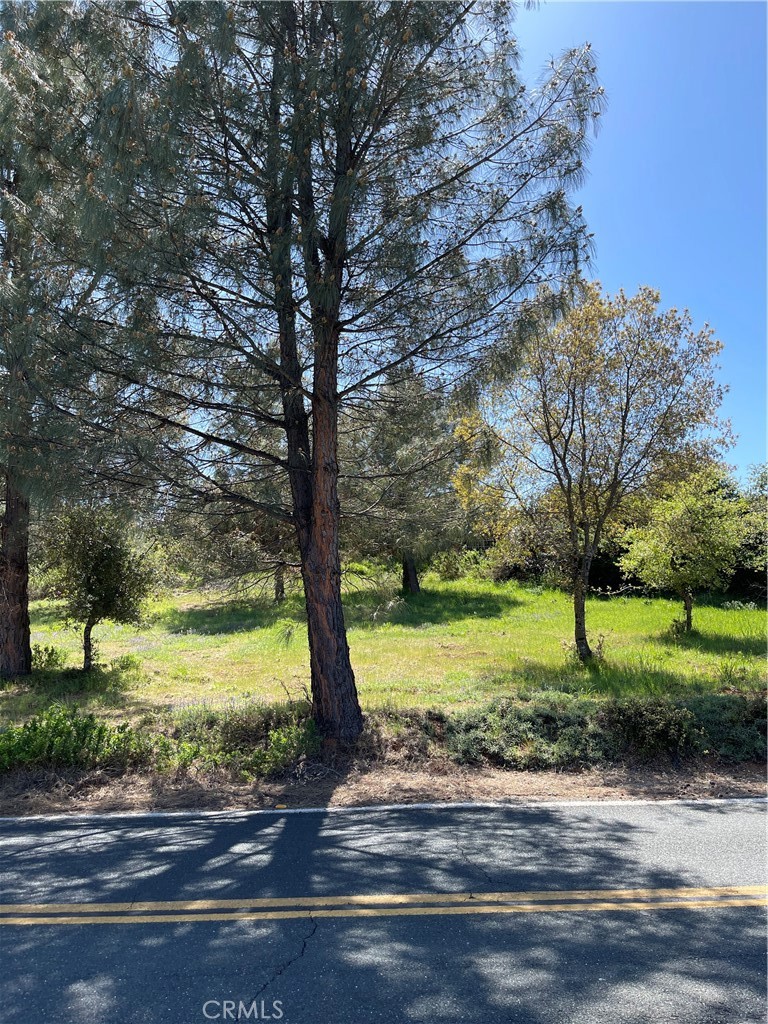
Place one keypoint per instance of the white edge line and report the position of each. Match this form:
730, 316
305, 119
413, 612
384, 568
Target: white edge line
371, 808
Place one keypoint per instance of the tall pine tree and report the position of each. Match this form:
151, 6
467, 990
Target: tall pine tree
318, 194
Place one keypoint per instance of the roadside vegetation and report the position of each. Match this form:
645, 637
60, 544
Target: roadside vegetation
469, 671
299, 336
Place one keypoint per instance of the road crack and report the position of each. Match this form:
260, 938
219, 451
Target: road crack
294, 959
478, 868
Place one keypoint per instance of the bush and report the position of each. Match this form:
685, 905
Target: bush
62, 737
252, 738
648, 727
557, 730
125, 663
47, 658
730, 726
456, 564
549, 731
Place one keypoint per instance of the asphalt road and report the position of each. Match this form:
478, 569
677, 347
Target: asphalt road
551, 913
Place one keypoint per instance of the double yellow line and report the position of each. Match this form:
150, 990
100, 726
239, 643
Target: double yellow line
383, 905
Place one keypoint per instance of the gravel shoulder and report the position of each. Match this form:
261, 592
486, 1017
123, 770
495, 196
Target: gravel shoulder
24, 793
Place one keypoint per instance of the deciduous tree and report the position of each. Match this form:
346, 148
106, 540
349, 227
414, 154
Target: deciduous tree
692, 538
616, 392
95, 569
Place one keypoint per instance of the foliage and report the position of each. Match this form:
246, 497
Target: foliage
95, 569
648, 726
398, 455
456, 564
544, 730
729, 726
692, 538
316, 201
558, 730
614, 394
46, 657
63, 737
251, 739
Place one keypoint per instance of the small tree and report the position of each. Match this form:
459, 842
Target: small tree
96, 571
615, 394
692, 539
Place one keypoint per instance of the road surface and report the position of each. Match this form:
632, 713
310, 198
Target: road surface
480, 915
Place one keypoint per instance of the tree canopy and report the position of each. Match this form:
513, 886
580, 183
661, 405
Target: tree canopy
314, 198
614, 393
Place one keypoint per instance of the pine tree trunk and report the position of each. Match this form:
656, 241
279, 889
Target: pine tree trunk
279, 584
313, 476
334, 693
688, 605
580, 588
15, 647
313, 471
410, 575
88, 646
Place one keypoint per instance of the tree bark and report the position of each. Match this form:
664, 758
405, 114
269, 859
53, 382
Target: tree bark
279, 584
580, 588
313, 470
688, 605
15, 647
88, 646
410, 575
334, 693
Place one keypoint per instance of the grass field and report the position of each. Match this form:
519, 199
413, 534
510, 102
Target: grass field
456, 644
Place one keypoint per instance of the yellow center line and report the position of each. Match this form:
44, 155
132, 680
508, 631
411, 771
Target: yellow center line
381, 904
402, 911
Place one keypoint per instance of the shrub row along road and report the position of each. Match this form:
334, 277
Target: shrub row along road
539, 913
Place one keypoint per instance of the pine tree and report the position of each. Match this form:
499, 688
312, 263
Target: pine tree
59, 428
317, 194
399, 454
38, 193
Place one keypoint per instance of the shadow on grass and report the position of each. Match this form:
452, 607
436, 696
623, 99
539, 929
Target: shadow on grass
102, 688
363, 608
48, 614
604, 678
430, 607
716, 643
238, 615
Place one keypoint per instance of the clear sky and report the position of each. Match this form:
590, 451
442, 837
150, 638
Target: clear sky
676, 192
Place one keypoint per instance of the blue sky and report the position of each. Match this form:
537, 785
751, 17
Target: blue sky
676, 192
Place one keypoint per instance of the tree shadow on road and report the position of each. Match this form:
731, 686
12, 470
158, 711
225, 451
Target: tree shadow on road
592, 967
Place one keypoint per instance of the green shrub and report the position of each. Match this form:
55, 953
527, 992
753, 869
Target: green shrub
125, 663
47, 658
557, 730
457, 564
551, 730
63, 737
730, 726
252, 738
648, 727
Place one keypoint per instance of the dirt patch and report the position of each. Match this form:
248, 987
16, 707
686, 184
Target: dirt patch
23, 793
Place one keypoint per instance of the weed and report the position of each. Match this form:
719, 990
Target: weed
47, 658
64, 737
125, 663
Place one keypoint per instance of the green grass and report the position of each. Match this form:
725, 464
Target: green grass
453, 646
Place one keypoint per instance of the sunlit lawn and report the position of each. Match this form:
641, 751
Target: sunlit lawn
454, 644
